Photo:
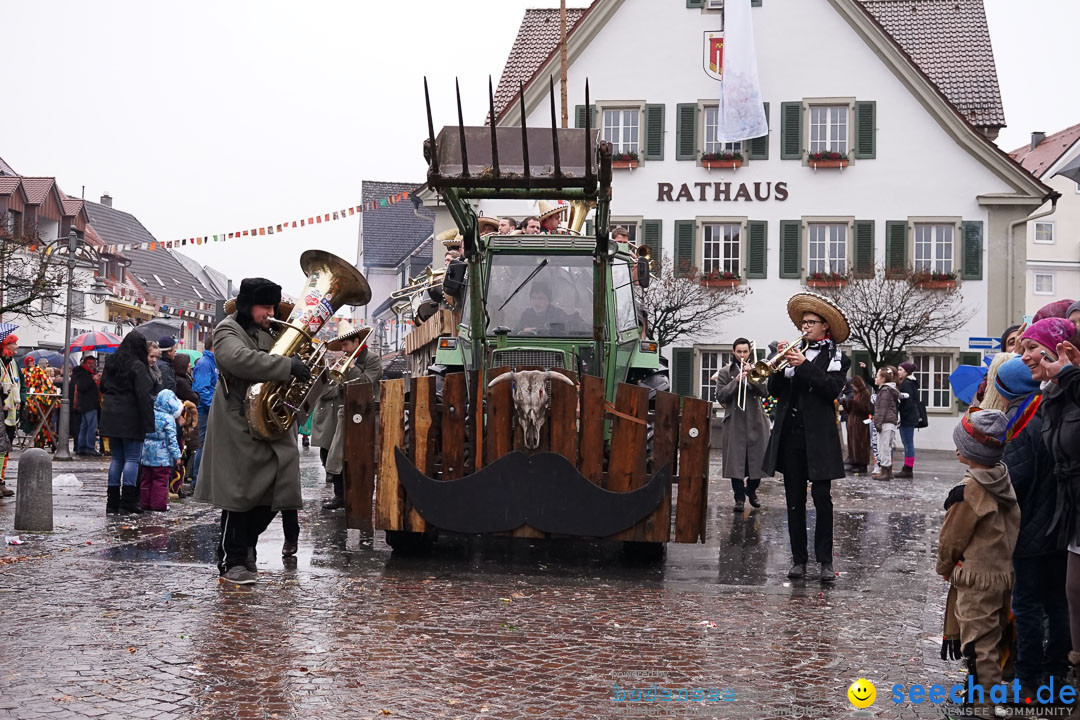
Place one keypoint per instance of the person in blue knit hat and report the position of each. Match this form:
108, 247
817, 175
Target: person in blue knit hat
1014, 380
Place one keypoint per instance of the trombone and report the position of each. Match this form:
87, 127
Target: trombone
764, 368
741, 397
420, 283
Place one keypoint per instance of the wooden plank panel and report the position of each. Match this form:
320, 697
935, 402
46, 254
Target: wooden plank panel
626, 464
592, 429
453, 427
360, 454
693, 471
476, 419
423, 422
657, 527
389, 503
564, 417
500, 420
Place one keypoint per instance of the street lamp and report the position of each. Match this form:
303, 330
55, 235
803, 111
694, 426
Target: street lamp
98, 294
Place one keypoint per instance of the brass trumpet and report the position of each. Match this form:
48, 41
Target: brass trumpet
420, 283
764, 368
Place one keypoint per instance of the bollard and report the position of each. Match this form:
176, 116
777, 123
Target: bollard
34, 495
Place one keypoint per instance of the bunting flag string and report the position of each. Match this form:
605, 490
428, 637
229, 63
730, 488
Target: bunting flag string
262, 230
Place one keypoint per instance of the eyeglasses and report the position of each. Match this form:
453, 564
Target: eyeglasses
811, 322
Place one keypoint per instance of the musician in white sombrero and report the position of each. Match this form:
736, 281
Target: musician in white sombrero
805, 442
551, 216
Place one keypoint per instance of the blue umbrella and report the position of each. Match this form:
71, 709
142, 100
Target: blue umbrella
966, 379
52, 357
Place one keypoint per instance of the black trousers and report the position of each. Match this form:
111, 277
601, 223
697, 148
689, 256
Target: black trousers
240, 534
290, 524
740, 489
796, 476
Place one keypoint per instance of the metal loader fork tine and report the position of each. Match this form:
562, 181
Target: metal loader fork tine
554, 128
461, 132
431, 129
494, 142
524, 130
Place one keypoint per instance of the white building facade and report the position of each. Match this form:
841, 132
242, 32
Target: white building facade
922, 185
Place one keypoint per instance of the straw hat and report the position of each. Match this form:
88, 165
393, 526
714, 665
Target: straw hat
451, 239
346, 331
284, 308
547, 209
824, 308
485, 225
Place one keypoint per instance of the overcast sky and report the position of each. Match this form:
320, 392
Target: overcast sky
206, 117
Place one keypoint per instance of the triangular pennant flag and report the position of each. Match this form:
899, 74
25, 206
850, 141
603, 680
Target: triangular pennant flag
262, 231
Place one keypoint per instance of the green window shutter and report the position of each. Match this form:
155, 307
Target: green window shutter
652, 235
684, 247
590, 228
862, 356
682, 370
686, 131
579, 116
864, 248
865, 130
755, 3
757, 234
790, 248
791, 131
759, 147
695, 3
896, 245
971, 358
973, 246
654, 132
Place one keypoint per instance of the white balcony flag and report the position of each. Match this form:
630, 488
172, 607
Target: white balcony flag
742, 112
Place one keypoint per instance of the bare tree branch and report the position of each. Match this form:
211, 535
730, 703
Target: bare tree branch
683, 307
30, 279
890, 311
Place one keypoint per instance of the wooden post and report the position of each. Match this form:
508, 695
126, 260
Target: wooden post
389, 502
693, 471
592, 429
564, 417
626, 464
657, 527
500, 405
453, 427
422, 420
360, 453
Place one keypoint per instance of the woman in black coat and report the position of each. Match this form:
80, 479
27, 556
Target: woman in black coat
127, 415
909, 415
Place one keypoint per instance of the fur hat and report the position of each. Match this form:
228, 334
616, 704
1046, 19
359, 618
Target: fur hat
979, 436
258, 291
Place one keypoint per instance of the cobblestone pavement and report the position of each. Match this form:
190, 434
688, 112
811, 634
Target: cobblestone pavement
125, 618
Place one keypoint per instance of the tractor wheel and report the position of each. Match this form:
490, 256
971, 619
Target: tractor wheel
644, 552
411, 543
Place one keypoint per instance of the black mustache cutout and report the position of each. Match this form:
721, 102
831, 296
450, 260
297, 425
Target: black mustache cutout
544, 490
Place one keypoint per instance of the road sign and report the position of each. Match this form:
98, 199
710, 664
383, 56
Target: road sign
984, 343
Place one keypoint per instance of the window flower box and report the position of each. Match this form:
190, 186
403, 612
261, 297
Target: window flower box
827, 160
727, 160
717, 279
623, 161
826, 280
935, 280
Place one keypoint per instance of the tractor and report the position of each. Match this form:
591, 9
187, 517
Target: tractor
545, 413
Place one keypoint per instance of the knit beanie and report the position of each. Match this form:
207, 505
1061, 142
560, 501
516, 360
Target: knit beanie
1075, 307
978, 436
909, 367
1014, 379
1056, 309
1049, 332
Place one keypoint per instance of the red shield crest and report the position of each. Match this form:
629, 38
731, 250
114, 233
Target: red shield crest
713, 49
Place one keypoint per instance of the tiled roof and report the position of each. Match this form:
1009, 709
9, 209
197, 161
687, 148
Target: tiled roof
8, 184
1042, 157
177, 284
37, 188
537, 38
5, 169
72, 206
947, 39
392, 232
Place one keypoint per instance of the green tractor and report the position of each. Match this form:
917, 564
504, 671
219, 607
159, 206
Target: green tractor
494, 442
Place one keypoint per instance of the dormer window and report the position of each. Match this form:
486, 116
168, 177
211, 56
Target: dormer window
159, 281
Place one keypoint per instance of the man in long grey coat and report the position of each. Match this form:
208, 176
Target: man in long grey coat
746, 429
250, 479
326, 424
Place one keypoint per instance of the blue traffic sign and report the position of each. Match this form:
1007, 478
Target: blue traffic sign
984, 343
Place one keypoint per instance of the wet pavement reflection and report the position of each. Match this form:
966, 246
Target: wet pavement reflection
124, 617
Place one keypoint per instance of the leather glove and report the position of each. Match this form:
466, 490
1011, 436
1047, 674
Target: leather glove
299, 370
950, 649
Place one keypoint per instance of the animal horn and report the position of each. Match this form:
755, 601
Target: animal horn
499, 379
560, 376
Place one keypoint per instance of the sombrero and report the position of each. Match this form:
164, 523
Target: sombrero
346, 331
547, 209
284, 308
451, 239
485, 225
824, 308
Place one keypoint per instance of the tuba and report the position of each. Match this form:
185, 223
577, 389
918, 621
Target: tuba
273, 406
579, 210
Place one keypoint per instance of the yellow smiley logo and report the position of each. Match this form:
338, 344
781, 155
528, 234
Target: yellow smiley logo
862, 693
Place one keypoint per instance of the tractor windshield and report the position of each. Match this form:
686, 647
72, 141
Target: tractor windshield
543, 295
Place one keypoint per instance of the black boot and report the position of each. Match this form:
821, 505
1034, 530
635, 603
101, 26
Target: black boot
751, 495
129, 500
339, 494
112, 500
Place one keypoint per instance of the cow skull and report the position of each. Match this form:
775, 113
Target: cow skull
529, 401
